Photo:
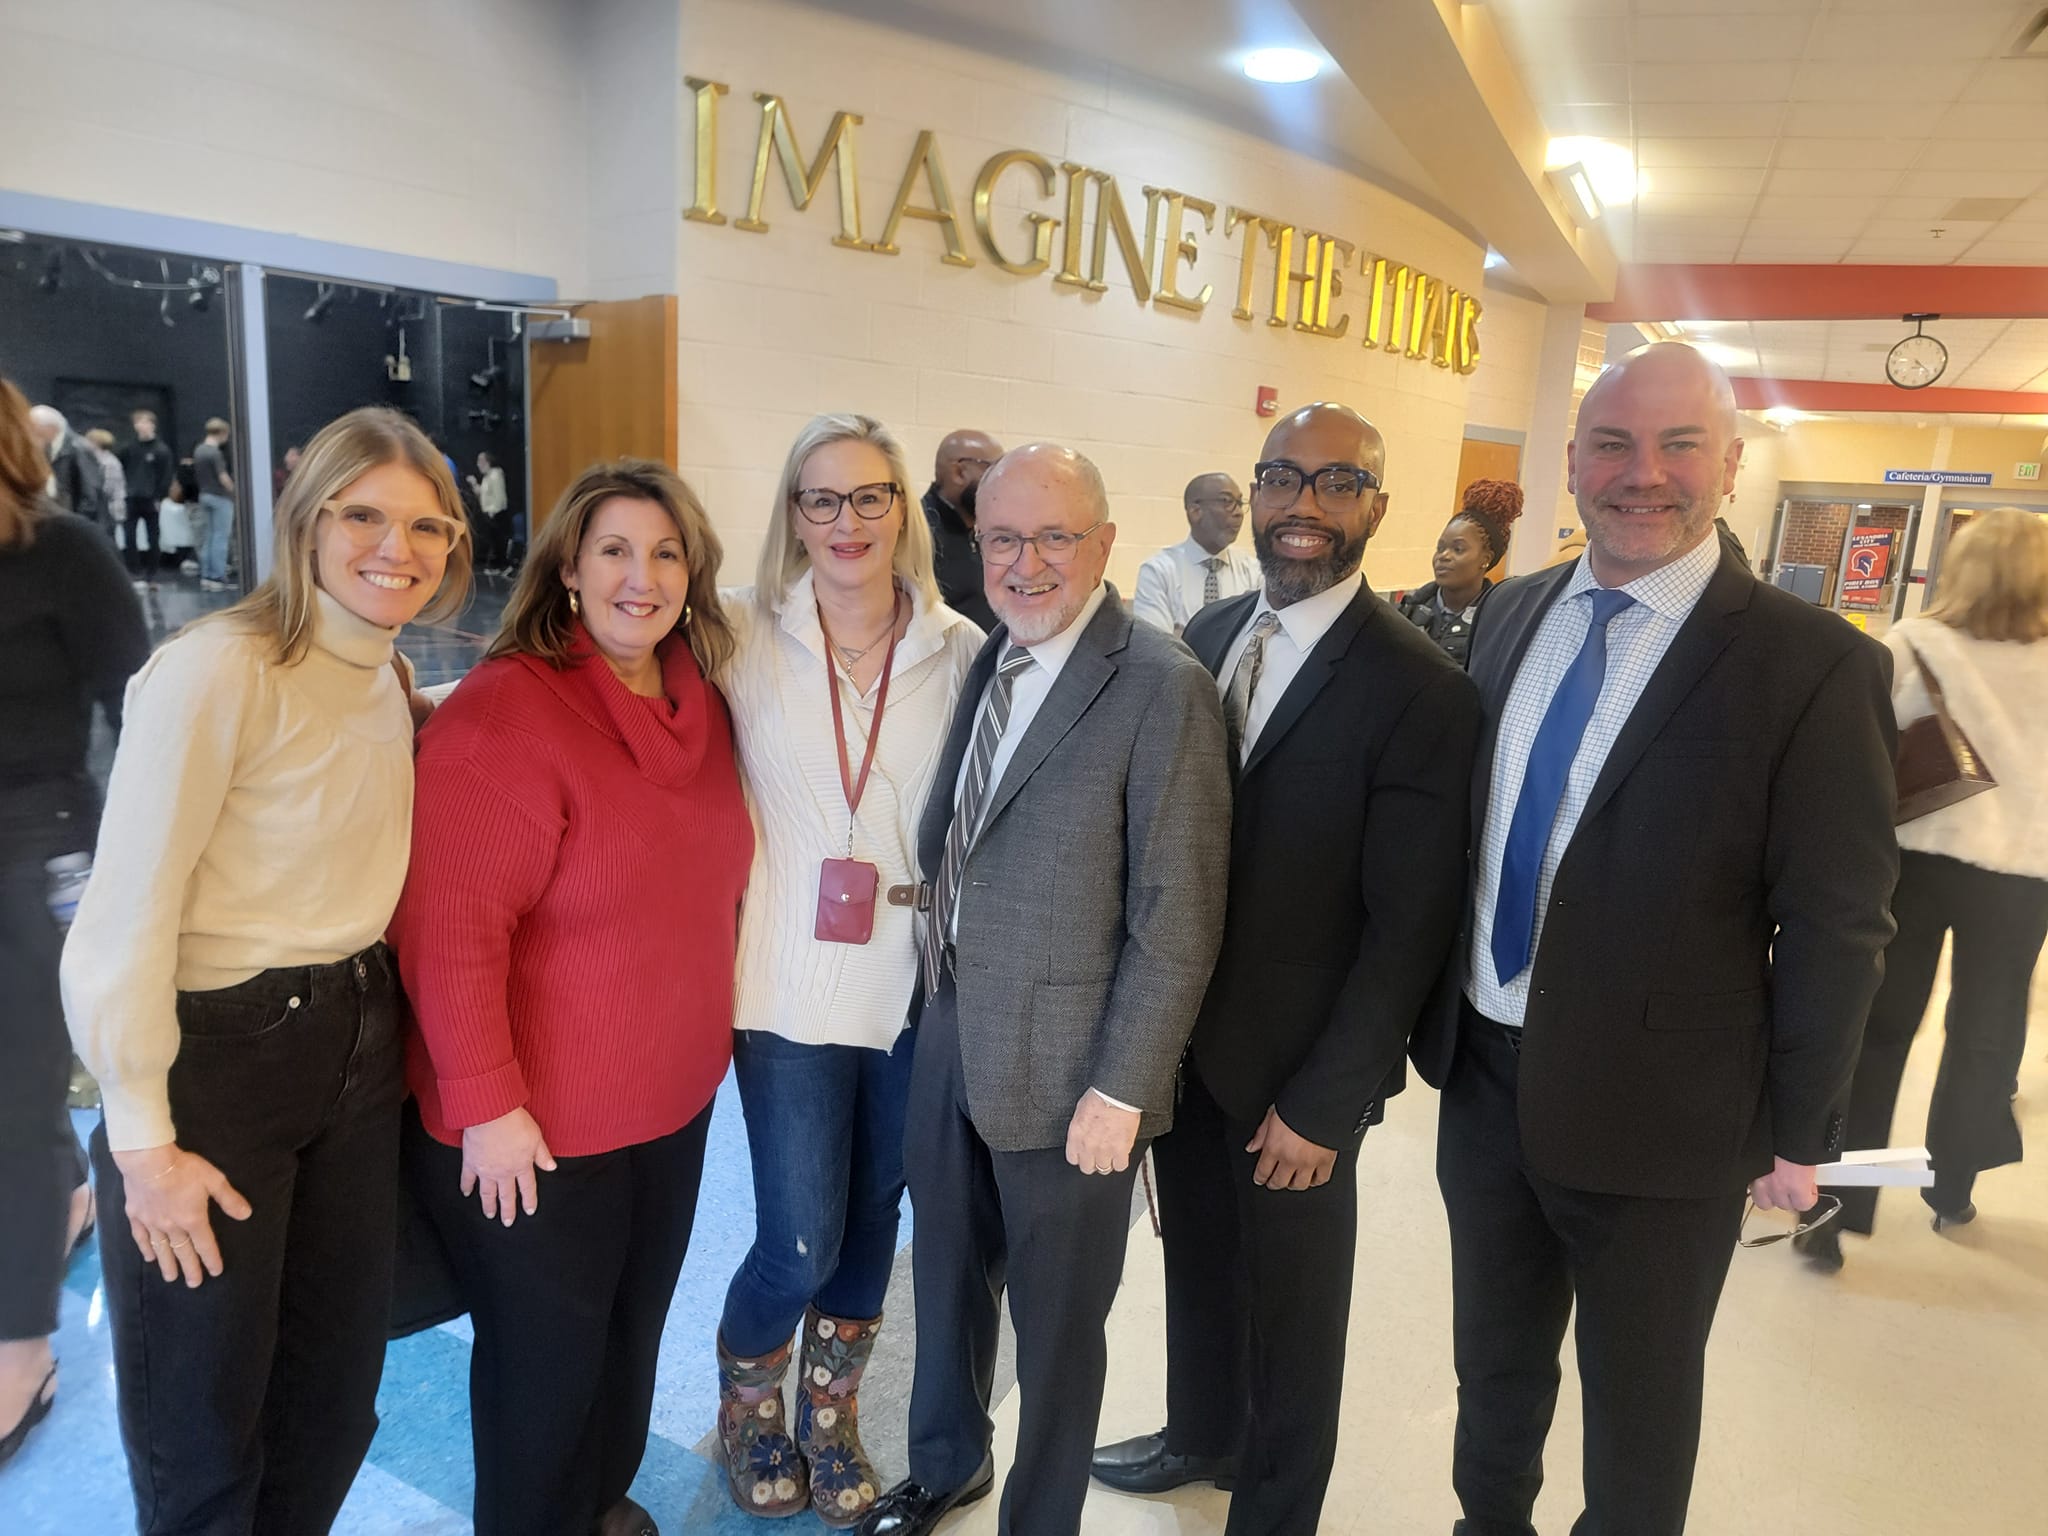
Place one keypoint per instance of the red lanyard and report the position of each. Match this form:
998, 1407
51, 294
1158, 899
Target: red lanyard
853, 788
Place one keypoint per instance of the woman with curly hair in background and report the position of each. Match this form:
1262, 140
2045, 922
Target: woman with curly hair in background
1472, 544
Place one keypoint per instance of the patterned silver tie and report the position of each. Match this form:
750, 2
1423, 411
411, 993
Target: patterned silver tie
1244, 682
988, 735
1211, 588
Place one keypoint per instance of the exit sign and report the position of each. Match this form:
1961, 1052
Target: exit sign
2027, 471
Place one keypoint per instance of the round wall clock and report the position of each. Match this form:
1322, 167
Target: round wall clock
1918, 360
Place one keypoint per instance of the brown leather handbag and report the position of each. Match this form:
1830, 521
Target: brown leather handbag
1936, 765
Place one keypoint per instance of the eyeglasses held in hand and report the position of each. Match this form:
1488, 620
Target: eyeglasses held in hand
821, 506
1276, 484
1055, 547
367, 527
1829, 1207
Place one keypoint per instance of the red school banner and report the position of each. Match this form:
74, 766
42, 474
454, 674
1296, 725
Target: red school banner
1870, 564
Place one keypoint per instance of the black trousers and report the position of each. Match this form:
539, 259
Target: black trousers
568, 1305
1647, 1275
1258, 1301
247, 1404
1999, 922
1055, 1237
142, 513
39, 1165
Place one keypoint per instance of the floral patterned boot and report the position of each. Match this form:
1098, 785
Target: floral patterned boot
843, 1481
762, 1466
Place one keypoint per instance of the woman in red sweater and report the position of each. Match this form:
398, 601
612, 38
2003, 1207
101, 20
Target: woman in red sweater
566, 937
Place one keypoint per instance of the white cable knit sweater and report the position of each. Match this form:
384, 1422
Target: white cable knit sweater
790, 983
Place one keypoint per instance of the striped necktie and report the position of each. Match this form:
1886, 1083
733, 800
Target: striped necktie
1244, 682
988, 735
1211, 582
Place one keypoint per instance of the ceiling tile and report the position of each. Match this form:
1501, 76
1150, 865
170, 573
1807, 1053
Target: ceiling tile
1925, 211
1594, 121
1594, 39
1844, 181
1985, 154
1703, 205
1915, 229
1830, 154
1680, 182
1563, 81
1864, 85
1711, 82
1833, 212
1995, 120
1931, 32
2006, 253
1955, 184
1887, 250
1736, 39
1812, 253
1685, 120
1897, 120
2021, 80
1655, 153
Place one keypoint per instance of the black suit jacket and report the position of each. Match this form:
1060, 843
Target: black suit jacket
1347, 855
1718, 922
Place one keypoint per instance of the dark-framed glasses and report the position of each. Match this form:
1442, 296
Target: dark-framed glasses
1231, 503
367, 526
1056, 546
821, 506
1277, 483
1828, 1208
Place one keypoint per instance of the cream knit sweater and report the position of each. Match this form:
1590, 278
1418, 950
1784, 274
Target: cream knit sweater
258, 816
790, 983
1997, 691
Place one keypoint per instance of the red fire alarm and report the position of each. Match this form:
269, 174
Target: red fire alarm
1269, 401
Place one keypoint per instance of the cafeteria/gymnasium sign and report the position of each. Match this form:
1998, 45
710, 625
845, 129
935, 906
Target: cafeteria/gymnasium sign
1406, 311
1936, 477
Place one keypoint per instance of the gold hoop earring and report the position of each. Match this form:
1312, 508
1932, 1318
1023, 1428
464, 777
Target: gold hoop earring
574, 605
686, 615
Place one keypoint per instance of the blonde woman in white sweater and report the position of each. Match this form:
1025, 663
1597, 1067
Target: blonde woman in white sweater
227, 982
1976, 870
844, 651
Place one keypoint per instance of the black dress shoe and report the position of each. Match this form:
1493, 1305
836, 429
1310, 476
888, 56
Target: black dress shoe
1145, 1465
911, 1509
626, 1518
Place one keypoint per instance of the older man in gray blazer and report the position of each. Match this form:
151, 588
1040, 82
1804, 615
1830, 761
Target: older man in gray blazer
1075, 911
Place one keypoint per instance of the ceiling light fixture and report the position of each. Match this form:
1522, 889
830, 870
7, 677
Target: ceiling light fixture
1576, 183
1282, 66
1783, 416
1609, 167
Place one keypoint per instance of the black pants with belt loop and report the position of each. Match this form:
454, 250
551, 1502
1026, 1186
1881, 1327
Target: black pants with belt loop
248, 1403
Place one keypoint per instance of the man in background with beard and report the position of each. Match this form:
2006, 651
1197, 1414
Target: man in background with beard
1351, 735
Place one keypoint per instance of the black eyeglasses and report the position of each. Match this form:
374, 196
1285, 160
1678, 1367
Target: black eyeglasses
1220, 503
821, 506
1829, 1207
1277, 483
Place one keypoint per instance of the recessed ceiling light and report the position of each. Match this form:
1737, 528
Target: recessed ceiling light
1782, 416
1282, 66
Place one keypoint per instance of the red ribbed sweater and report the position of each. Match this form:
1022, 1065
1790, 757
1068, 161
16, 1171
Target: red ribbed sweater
569, 922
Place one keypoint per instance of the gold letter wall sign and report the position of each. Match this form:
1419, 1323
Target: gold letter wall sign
1405, 311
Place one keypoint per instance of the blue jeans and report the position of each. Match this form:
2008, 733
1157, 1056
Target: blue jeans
825, 1127
218, 516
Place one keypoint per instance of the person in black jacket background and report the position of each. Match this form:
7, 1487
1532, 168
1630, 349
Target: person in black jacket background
71, 634
1472, 545
151, 469
1352, 738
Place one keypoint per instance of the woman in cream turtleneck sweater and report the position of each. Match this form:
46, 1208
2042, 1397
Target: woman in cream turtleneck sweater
227, 983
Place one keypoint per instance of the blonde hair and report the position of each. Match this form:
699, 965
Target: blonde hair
1994, 577
539, 621
24, 471
281, 609
783, 557
100, 437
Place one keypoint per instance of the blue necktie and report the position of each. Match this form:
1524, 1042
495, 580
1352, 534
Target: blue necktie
1543, 782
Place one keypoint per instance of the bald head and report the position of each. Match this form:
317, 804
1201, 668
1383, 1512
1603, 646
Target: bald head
963, 457
1655, 452
47, 422
1337, 426
1309, 535
1215, 509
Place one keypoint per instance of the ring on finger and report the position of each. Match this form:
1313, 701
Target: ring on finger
181, 1245
158, 1240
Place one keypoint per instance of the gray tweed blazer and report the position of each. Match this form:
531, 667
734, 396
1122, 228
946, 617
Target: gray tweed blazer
1091, 905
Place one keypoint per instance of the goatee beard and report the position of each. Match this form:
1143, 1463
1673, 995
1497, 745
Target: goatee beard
1289, 580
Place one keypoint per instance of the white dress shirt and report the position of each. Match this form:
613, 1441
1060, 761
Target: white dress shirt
1027, 696
1171, 583
1302, 624
1637, 639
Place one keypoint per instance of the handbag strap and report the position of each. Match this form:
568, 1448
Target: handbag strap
853, 787
1927, 676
